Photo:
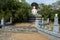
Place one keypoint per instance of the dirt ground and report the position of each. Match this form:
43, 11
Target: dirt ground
26, 36
31, 25
25, 24
21, 36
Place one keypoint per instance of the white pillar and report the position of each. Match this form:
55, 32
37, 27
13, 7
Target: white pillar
10, 19
36, 22
48, 20
42, 22
56, 25
2, 21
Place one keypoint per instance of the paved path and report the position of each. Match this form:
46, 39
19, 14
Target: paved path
25, 30
49, 36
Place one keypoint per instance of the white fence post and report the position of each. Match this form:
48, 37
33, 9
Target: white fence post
2, 21
10, 19
56, 25
48, 20
42, 23
36, 22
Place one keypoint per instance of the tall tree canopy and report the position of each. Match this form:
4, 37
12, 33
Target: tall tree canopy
15, 9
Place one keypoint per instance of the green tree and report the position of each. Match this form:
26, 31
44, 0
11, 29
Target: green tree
15, 9
45, 11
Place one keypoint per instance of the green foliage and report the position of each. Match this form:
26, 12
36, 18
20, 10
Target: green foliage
15, 9
45, 11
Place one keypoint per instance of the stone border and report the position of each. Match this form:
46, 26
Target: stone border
49, 32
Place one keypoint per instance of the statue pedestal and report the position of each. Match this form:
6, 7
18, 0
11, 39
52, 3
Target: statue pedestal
32, 18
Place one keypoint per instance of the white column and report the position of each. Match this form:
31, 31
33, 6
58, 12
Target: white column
36, 22
42, 22
10, 19
48, 20
2, 21
56, 25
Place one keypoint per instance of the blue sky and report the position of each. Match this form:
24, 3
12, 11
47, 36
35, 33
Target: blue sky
42, 1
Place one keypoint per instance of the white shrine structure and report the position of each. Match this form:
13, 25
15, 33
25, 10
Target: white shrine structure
34, 11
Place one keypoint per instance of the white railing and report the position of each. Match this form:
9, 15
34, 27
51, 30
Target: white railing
41, 26
4, 23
